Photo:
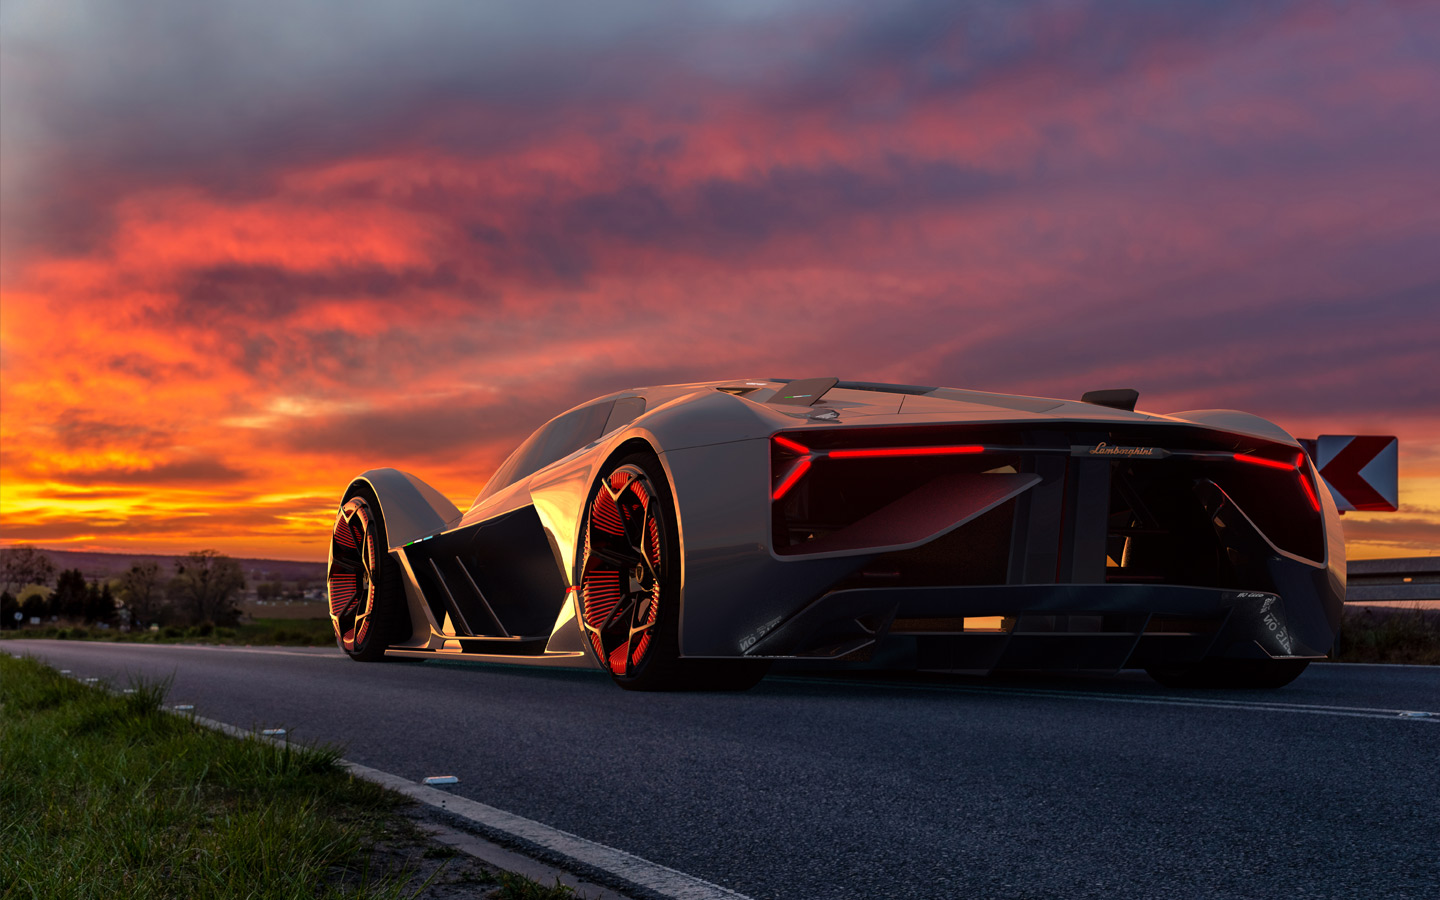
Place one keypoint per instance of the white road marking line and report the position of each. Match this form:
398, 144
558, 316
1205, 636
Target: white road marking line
1193, 701
471, 844
257, 650
1348, 665
641, 872
662, 880
510, 861
1206, 702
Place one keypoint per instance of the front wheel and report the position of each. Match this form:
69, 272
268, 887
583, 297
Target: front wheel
1231, 673
630, 586
366, 599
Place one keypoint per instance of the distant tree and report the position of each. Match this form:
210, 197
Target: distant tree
109, 603
142, 590
142, 593
35, 606
25, 565
268, 590
205, 585
99, 603
71, 596
9, 606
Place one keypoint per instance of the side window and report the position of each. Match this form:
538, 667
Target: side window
559, 437
573, 430
627, 410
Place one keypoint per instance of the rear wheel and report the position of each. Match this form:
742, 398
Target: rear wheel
1231, 673
367, 602
630, 586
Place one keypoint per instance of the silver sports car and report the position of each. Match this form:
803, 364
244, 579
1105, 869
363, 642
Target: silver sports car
686, 536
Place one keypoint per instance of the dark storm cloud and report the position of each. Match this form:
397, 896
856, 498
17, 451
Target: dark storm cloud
167, 91
147, 368
78, 431
560, 236
202, 472
942, 47
268, 292
722, 217
1241, 353
66, 529
227, 95
441, 430
426, 429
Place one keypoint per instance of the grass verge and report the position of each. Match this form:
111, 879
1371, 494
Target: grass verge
107, 795
1384, 634
283, 632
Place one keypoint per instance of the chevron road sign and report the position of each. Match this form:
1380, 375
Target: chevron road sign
1361, 470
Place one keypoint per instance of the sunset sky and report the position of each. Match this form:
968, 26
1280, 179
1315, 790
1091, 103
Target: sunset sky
249, 250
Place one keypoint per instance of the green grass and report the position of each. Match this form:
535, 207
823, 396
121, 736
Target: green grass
1389, 635
287, 632
518, 887
105, 795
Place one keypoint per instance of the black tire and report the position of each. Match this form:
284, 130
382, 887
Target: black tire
1254, 674
367, 600
630, 586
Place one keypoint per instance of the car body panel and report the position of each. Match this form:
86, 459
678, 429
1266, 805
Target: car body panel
1041, 524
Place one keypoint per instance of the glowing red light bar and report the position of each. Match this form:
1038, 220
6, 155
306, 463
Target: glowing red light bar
795, 475
790, 445
1309, 492
1261, 461
906, 451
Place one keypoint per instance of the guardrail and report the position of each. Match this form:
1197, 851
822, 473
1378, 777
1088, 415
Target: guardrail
1410, 578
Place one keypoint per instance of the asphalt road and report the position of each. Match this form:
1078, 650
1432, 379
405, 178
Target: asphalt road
820, 787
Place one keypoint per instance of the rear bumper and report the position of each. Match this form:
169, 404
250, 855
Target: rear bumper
1064, 626
1092, 562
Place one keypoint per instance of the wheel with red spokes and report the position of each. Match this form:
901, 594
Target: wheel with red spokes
630, 586
363, 581
625, 574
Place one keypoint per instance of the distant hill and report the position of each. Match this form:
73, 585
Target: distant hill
109, 565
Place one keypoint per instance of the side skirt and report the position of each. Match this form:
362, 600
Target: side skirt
568, 660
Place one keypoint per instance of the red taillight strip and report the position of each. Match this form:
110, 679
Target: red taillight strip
905, 451
1305, 482
1309, 492
1262, 461
791, 445
1295, 467
808, 457
795, 475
